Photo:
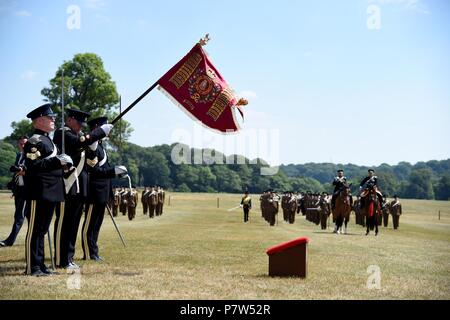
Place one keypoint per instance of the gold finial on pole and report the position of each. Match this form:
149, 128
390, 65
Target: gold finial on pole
203, 41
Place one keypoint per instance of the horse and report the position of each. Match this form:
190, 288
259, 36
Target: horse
343, 207
371, 207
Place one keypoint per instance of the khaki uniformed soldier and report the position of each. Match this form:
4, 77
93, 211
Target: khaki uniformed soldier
385, 212
116, 202
160, 204
396, 211
246, 204
144, 199
132, 201
123, 201
152, 202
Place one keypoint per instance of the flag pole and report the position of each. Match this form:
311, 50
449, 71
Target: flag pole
134, 103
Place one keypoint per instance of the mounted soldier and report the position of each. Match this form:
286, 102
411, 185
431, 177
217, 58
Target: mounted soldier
339, 182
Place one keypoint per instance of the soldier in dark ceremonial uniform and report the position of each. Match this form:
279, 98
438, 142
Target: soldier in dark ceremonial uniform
144, 199
339, 182
99, 191
76, 143
246, 204
44, 186
370, 180
18, 190
396, 211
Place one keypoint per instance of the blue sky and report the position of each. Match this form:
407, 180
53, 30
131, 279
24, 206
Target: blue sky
324, 84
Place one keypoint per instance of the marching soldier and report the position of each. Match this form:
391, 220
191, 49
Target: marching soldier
159, 200
123, 201
152, 202
99, 191
18, 190
385, 211
44, 186
132, 201
144, 199
396, 211
246, 204
116, 202
69, 215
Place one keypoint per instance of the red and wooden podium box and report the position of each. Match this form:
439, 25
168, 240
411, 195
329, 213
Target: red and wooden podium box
289, 259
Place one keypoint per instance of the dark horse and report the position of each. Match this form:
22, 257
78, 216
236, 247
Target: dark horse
341, 212
371, 207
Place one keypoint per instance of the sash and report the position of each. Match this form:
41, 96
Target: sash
75, 174
101, 163
54, 153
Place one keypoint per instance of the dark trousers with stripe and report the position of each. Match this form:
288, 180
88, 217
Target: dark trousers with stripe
19, 217
91, 228
246, 211
67, 222
40, 215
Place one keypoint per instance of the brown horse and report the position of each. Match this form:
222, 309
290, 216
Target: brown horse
341, 212
371, 208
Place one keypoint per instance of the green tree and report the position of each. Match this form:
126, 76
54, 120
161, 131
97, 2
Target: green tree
155, 169
7, 158
20, 128
420, 186
442, 190
87, 87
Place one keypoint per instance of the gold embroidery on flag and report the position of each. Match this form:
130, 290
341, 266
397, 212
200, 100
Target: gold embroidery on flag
222, 101
186, 70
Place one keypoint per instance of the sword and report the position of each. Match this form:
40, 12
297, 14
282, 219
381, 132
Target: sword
115, 225
234, 208
63, 148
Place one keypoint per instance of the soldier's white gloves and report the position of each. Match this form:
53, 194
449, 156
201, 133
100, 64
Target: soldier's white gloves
121, 171
107, 128
65, 159
93, 146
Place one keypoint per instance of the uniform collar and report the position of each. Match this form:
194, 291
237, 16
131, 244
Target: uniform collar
43, 133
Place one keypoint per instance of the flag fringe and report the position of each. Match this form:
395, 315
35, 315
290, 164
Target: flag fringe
179, 105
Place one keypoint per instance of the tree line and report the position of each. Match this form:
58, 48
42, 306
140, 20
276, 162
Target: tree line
150, 166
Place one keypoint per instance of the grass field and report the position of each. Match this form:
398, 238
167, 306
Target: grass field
198, 251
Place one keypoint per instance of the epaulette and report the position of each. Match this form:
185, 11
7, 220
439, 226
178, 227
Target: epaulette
35, 139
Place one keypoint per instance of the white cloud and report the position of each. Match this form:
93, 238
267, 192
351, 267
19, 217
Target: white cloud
29, 75
95, 4
411, 5
23, 13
